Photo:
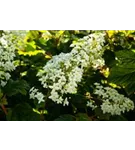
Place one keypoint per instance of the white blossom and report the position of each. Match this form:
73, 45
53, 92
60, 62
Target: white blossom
9, 41
66, 102
113, 102
64, 71
3, 83
34, 94
90, 49
91, 104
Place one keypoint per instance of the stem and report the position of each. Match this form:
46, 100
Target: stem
4, 109
42, 117
2, 106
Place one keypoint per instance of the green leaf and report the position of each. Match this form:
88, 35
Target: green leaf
66, 117
82, 117
15, 87
126, 56
23, 112
30, 47
123, 73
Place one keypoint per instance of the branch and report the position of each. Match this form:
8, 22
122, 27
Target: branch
2, 106
4, 109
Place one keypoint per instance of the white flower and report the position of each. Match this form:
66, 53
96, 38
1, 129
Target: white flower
34, 94
91, 104
54, 95
3, 83
40, 97
65, 102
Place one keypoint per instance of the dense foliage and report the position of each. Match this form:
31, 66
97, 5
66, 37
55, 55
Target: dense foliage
67, 75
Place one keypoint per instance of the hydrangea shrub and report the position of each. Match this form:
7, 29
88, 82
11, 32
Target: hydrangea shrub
67, 75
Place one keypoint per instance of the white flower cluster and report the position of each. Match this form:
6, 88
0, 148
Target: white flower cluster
89, 50
64, 71
34, 94
61, 77
113, 102
8, 43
